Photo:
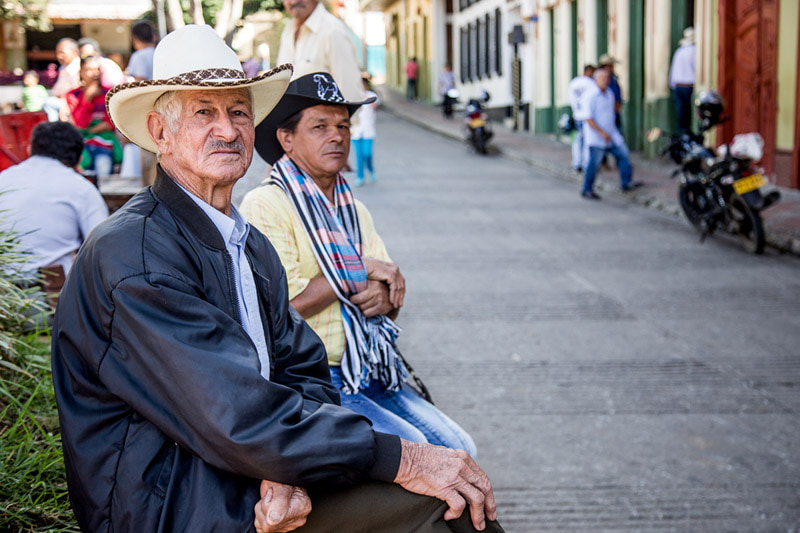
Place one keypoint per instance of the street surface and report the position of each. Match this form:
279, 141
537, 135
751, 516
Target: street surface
616, 374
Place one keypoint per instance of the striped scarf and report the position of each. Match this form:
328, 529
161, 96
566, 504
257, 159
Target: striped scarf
335, 236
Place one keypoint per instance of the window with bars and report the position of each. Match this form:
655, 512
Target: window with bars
464, 49
498, 42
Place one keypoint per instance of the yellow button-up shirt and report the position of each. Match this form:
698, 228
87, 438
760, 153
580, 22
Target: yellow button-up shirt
270, 210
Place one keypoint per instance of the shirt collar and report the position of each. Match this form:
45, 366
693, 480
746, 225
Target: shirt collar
316, 18
233, 228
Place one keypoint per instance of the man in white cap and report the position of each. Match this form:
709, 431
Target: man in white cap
191, 396
681, 79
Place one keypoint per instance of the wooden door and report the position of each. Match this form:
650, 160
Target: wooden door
748, 70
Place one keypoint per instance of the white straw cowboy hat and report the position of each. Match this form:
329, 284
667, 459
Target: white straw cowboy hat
191, 58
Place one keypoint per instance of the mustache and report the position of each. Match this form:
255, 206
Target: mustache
224, 145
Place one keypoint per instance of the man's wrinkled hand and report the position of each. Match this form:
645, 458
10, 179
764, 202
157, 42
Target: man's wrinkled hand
281, 507
390, 274
374, 300
449, 475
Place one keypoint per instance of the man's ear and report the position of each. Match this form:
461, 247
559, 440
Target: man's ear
285, 137
159, 131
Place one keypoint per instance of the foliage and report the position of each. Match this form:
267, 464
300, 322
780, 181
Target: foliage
33, 486
211, 7
31, 13
33, 490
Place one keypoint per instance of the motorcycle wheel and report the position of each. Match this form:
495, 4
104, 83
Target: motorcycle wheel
694, 204
480, 140
747, 225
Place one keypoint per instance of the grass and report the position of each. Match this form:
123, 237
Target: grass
33, 487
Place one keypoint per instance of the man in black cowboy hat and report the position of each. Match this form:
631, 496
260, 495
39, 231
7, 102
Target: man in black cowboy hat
191, 396
340, 276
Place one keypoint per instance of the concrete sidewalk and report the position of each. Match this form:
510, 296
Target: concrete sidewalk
781, 221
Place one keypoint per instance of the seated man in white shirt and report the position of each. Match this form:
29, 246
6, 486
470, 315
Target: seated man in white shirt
46, 202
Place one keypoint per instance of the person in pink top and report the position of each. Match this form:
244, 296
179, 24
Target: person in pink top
412, 70
87, 106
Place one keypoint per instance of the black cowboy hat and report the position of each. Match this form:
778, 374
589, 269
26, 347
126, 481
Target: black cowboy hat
306, 91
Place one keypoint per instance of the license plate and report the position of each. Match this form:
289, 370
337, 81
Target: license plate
750, 183
476, 123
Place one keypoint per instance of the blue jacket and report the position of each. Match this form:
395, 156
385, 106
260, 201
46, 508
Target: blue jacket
166, 423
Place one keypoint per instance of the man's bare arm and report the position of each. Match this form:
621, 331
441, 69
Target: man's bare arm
317, 295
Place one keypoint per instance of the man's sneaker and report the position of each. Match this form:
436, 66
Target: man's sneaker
590, 195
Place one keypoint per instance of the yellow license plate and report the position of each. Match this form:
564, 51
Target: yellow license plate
476, 123
750, 183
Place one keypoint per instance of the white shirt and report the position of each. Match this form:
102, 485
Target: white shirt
682, 69
140, 65
575, 91
51, 207
365, 129
234, 231
599, 106
323, 45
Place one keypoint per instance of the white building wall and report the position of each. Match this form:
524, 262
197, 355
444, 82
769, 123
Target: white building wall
542, 51
656, 49
619, 42
562, 18
498, 86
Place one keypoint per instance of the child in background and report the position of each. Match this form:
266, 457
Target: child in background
363, 135
33, 94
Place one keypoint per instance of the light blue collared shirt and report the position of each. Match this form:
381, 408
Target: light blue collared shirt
234, 231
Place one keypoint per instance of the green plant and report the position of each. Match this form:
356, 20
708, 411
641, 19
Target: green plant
33, 488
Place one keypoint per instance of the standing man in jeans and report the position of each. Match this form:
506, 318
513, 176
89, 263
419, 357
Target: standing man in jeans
681, 80
412, 71
575, 91
602, 136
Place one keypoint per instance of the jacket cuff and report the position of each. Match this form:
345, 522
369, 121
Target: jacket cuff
387, 457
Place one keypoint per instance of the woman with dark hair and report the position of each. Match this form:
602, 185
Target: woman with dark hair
87, 106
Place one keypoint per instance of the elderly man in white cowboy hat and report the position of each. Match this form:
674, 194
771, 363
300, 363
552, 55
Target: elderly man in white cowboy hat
191, 396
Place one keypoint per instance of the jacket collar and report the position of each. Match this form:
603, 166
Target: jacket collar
187, 210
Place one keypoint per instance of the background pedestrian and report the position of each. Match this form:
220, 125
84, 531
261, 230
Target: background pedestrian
681, 80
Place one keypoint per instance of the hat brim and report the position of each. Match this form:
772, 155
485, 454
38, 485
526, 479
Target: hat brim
267, 144
129, 103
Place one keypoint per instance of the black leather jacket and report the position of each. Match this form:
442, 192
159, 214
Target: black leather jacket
166, 422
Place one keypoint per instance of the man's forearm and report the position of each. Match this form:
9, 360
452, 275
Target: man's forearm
317, 295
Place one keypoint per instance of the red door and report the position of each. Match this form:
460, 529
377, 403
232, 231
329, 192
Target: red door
748, 71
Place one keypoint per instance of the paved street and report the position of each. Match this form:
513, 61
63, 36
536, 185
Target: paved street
616, 374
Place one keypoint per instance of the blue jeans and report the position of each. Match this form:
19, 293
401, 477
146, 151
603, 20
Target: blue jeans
682, 96
577, 146
102, 162
404, 413
363, 158
596, 154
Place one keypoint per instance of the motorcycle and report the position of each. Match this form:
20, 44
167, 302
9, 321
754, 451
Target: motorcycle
448, 102
720, 190
478, 129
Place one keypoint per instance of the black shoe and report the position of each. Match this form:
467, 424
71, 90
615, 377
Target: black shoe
632, 185
590, 195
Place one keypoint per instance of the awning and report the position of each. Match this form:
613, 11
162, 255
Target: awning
97, 9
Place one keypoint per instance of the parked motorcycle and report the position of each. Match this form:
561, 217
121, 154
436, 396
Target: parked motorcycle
720, 190
478, 129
